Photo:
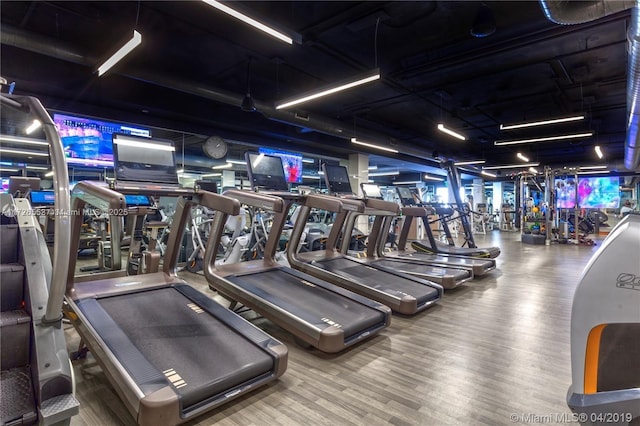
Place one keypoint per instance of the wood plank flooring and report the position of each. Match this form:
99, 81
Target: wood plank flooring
496, 346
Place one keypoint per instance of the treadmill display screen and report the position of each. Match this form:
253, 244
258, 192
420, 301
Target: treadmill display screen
140, 159
266, 172
23, 184
137, 200
42, 198
406, 198
370, 190
337, 179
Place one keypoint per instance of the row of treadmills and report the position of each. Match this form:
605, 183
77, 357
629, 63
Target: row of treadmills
173, 353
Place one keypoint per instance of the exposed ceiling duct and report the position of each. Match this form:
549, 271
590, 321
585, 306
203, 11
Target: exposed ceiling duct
566, 12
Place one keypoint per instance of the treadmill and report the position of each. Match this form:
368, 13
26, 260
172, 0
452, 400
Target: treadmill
319, 313
447, 277
170, 352
410, 210
403, 293
433, 246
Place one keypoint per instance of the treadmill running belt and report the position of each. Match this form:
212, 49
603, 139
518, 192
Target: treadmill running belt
380, 280
415, 268
310, 302
177, 337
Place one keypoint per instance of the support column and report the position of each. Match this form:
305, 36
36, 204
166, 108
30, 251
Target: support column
358, 166
498, 190
228, 179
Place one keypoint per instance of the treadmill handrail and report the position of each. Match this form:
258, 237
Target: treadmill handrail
62, 226
387, 206
265, 201
347, 204
106, 200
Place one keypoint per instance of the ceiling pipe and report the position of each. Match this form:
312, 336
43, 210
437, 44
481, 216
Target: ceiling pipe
578, 12
22, 39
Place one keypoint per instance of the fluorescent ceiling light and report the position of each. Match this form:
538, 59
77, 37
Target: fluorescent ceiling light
433, 178
487, 174
545, 139
25, 141
511, 166
541, 123
392, 173
468, 163
372, 168
382, 148
308, 160
592, 172
257, 160
599, 151
8, 169
320, 172
450, 132
592, 167
119, 140
310, 177
212, 175
36, 124
533, 170
228, 165
242, 162
338, 87
408, 182
36, 168
522, 157
49, 174
121, 53
24, 152
247, 20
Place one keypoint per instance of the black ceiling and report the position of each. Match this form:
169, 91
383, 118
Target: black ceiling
190, 74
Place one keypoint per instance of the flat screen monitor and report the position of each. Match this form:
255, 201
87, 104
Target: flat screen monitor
138, 200
42, 198
406, 197
337, 179
22, 185
599, 193
565, 193
207, 185
291, 162
371, 191
88, 142
141, 159
266, 172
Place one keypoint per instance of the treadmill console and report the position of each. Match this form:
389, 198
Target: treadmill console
406, 196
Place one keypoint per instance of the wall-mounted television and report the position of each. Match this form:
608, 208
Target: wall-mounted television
565, 193
599, 192
291, 162
87, 141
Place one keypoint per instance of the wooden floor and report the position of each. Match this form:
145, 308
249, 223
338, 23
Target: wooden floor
495, 347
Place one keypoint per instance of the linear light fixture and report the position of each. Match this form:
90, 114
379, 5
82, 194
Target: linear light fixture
511, 166
541, 123
372, 168
599, 151
392, 173
310, 177
241, 162
228, 165
433, 178
248, 20
25, 152
124, 141
35, 124
545, 139
49, 173
121, 53
370, 145
522, 157
24, 141
36, 168
487, 174
308, 160
593, 171
533, 170
450, 132
337, 87
407, 182
8, 169
212, 175
592, 167
468, 163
